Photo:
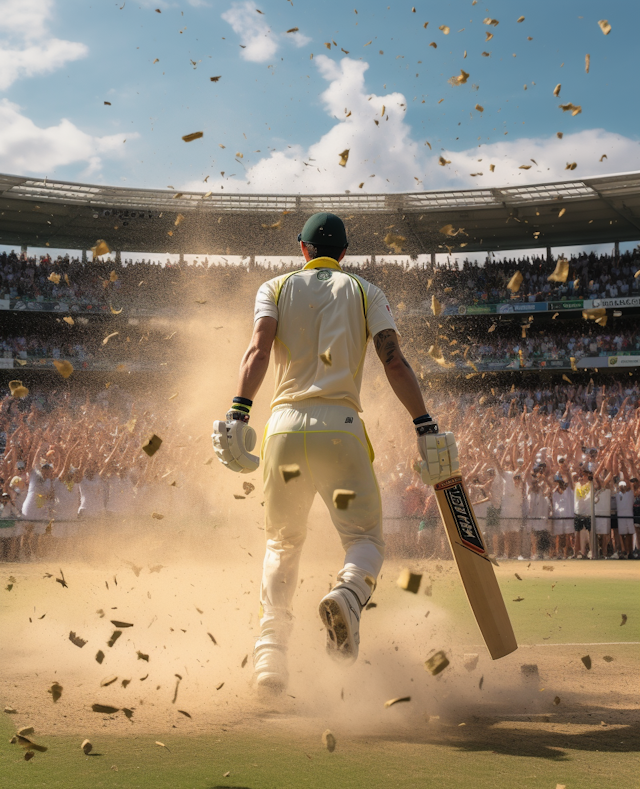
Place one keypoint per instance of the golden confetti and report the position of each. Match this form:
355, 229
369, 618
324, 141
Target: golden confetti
433, 44
574, 109
114, 311
556, 90
567, 379
489, 21
436, 354
64, 367
325, 358
87, 747
489, 36
344, 157
520, 19
193, 136
571, 166
445, 29
486, 54
391, 702
436, 663
559, 135
289, 471
274, 226
604, 156
442, 161
604, 26
101, 248
436, 307
329, 741
395, 241
109, 336
179, 219
17, 389
524, 167
515, 282
152, 445
479, 108
587, 63
409, 581
55, 278
56, 691
461, 79
293, 30
341, 498
561, 271
449, 230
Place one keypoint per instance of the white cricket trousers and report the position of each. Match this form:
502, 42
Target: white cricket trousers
331, 448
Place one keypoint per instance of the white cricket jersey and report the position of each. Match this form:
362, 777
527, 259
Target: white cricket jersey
38, 504
562, 503
582, 500
603, 507
67, 500
625, 504
321, 309
511, 496
92, 497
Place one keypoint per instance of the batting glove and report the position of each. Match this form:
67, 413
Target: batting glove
438, 451
233, 441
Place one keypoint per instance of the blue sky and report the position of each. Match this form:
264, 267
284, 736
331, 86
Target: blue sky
286, 112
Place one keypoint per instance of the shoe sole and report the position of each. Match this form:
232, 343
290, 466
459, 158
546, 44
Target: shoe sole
270, 687
337, 631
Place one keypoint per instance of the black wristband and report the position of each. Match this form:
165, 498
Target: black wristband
243, 401
424, 418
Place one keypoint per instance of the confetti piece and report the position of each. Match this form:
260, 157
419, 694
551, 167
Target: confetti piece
436, 307
329, 741
289, 471
604, 26
157, 516
193, 136
162, 745
607, 658
391, 702
567, 379
179, 219
341, 498
114, 637
436, 663
570, 166
586, 660
395, 241
481, 109
152, 446
56, 691
518, 599
325, 358
79, 642
17, 389
117, 623
101, 248
492, 168
594, 313
293, 30
433, 44
556, 700
105, 709
244, 661
515, 282
461, 79
409, 581
109, 336
10, 711
87, 747
556, 90
574, 109
518, 577
489, 21
587, 63
446, 30
624, 620
470, 661
559, 135
520, 19
561, 271
55, 278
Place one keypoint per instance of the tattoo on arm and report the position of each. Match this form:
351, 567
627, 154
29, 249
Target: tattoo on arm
387, 348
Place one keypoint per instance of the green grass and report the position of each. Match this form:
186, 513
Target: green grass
575, 610
471, 760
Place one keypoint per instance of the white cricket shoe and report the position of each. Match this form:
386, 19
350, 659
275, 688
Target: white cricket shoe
270, 668
340, 613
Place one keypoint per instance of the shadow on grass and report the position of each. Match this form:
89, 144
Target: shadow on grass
620, 735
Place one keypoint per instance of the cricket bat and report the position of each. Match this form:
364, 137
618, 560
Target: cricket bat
475, 568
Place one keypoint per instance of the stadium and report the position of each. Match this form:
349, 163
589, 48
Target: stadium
134, 643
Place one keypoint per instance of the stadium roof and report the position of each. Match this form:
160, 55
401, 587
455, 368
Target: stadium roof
35, 212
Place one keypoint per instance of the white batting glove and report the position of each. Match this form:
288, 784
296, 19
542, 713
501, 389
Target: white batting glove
438, 451
233, 441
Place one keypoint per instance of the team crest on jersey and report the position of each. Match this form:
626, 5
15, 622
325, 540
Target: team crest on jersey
323, 274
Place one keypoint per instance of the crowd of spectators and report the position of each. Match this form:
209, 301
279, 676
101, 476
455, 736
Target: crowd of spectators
69, 465
147, 283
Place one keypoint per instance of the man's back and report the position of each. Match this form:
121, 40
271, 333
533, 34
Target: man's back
325, 317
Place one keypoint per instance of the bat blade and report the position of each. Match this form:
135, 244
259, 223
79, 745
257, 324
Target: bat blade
475, 568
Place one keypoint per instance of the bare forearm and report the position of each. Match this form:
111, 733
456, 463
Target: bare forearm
253, 369
405, 386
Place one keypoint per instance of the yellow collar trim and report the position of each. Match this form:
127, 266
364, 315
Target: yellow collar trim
322, 263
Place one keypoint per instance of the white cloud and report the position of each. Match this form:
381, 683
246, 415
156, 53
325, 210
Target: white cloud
256, 36
254, 32
27, 148
400, 163
26, 47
